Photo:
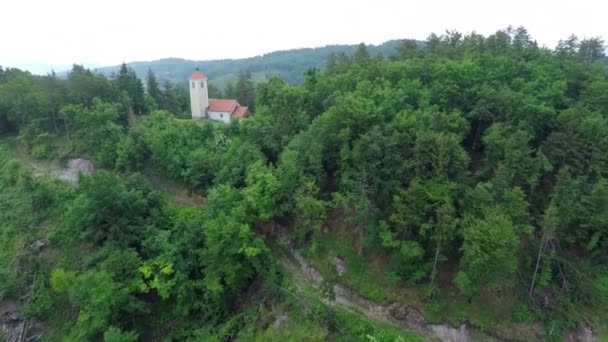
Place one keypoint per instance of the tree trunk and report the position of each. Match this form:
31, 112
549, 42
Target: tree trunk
435, 263
540, 252
360, 239
54, 122
476, 136
67, 133
559, 267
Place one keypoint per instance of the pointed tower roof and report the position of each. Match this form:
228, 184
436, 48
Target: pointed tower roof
197, 75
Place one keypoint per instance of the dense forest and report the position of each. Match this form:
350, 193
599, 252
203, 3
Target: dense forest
466, 177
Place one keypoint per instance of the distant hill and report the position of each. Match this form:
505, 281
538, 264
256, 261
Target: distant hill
290, 64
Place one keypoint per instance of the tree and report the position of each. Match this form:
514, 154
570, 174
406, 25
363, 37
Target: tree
337, 63
175, 99
489, 249
114, 334
310, 212
244, 90
547, 234
127, 82
591, 50
279, 116
361, 55
24, 99
261, 193
111, 211
152, 88
235, 161
233, 254
96, 296
425, 213
57, 95
568, 47
98, 129
83, 85
407, 49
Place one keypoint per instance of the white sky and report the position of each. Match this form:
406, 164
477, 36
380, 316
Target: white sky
61, 32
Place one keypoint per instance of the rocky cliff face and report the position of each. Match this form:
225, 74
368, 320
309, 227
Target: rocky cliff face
14, 327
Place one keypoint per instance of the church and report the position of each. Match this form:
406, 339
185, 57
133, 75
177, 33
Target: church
224, 110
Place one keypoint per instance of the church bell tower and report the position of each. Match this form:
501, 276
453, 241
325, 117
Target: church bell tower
199, 95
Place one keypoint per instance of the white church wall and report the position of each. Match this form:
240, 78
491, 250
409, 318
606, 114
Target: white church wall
204, 95
219, 116
198, 115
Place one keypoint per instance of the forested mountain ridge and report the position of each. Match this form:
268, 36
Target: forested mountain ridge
462, 182
289, 64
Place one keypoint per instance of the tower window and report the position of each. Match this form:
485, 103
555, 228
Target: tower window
193, 85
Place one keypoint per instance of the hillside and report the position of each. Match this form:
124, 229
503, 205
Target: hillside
290, 64
457, 190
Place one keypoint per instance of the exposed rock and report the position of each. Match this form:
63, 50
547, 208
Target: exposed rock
414, 316
76, 166
340, 265
17, 328
282, 318
399, 312
37, 245
447, 333
7, 307
310, 272
584, 333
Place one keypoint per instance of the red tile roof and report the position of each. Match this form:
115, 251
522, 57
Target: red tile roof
197, 75
222, 105
240, 112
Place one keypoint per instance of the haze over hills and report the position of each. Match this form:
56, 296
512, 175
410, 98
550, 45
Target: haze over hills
290, 64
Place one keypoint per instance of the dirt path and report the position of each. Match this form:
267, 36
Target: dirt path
396, 314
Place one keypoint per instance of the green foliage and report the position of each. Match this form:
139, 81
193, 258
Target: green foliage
310, 212
130, 153
114, 334
83, 86
353, 327
39, 141
472, 161
243, 90
96, 296
127, 82
109, 210
235, 161
22, 99
170, 142
99, 130
153, 89
158, 275
464, 283
233, 255
489, 249
261, 193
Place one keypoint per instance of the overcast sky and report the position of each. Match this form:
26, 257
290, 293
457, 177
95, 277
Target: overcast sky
36, 33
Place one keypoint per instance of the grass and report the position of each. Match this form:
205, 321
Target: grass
308, 319
292, 329
365, 275
357, 328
